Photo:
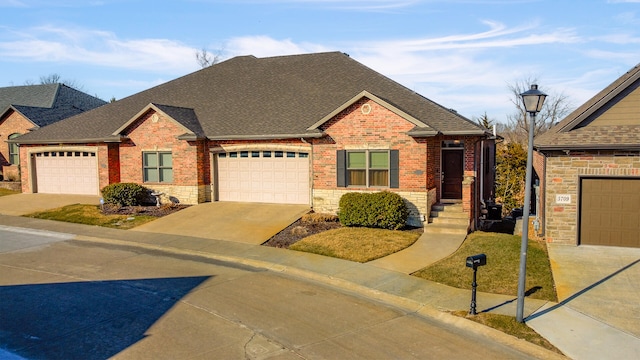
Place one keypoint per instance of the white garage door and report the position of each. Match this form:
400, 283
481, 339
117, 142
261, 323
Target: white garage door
66, 172
264, 176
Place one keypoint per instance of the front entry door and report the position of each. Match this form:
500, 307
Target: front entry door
452, 174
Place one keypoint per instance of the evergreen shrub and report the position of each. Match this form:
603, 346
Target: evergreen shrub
385, 210
125, 194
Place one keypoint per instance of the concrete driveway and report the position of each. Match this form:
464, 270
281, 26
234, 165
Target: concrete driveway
602, 282
251, 223
22, 204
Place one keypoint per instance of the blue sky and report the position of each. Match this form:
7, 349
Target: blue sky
461, 54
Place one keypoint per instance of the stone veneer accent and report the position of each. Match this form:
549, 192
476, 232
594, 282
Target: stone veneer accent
418, 203
563, 173
190, 195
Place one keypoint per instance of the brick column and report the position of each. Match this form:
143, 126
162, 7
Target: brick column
467, 194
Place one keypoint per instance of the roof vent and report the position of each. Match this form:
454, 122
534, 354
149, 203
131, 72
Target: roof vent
453, 110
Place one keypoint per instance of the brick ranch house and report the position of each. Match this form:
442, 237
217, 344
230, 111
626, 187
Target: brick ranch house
589, 166
27, 108
301, 129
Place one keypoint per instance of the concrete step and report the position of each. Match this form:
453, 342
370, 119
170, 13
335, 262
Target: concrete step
447, 207
449, 214
449, 220
436, 228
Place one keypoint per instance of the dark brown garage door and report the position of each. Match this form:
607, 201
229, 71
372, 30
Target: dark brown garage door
610, 212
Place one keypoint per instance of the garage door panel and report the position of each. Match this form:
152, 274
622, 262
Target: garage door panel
263, 178
610, 212
66, 173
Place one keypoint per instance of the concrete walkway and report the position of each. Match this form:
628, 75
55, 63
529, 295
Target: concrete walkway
430, 247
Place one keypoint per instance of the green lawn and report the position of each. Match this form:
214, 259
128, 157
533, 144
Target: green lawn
500, 275
356, 243
509, 325
91, 215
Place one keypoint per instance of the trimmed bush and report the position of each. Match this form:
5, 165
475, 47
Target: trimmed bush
385, 210
125, 194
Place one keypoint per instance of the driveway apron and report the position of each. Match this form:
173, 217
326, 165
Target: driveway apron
250, 223
22, 204
601, 281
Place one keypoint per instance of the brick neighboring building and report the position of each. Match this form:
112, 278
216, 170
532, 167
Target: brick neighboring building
300, 129
591, 170
27, 108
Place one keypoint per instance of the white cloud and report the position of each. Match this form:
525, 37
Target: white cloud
264, 46
619, 39
101, 48
12, 3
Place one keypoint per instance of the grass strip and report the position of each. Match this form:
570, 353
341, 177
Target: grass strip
356, 243
91, 215
500, 275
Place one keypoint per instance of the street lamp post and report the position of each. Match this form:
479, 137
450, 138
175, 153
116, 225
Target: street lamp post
533, 100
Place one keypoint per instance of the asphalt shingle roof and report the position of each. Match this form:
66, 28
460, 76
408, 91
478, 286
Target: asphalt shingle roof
576, 131
48, 103
249, 97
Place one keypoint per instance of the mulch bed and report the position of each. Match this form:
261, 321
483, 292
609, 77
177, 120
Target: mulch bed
298, 231
301, 229
150, 210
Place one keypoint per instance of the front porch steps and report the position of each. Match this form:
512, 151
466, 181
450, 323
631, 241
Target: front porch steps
448, 219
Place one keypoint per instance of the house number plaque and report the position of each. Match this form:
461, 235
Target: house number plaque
563, 199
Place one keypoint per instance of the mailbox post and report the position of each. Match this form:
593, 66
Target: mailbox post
473, 262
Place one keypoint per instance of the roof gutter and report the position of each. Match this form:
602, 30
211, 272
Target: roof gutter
466, 132
431, 133
67, 141
190, 137
267, 137
423, 133
632, 147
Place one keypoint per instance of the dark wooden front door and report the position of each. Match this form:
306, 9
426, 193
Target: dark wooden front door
452, 174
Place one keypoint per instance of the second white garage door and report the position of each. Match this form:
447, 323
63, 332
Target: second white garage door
264, 176
66, 172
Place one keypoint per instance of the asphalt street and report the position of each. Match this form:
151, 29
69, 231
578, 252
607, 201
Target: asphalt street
66, 299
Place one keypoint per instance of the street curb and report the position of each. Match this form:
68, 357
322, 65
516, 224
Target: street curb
405, 304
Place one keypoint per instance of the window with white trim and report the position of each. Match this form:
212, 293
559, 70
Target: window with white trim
157, 166
14, 151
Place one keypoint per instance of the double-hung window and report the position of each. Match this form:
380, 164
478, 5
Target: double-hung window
368, 168
14, 152
157, 166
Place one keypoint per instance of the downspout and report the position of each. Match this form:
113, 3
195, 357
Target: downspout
310, 172
482, 173
476, 212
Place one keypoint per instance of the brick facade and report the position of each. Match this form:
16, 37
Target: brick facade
563, 173
153, 131
12, 123
194, 162
378, 128
366, 125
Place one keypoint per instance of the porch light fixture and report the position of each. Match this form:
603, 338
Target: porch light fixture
533, 100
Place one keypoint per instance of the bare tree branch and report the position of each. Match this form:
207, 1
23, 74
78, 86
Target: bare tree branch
556, 106
205, 59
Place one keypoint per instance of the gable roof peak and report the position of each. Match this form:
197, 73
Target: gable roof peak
580, 129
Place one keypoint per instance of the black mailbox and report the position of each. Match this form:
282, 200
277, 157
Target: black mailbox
476, 260
473, 262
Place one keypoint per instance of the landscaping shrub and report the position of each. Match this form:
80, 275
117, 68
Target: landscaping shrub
125, 194
385, 210
319, 217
